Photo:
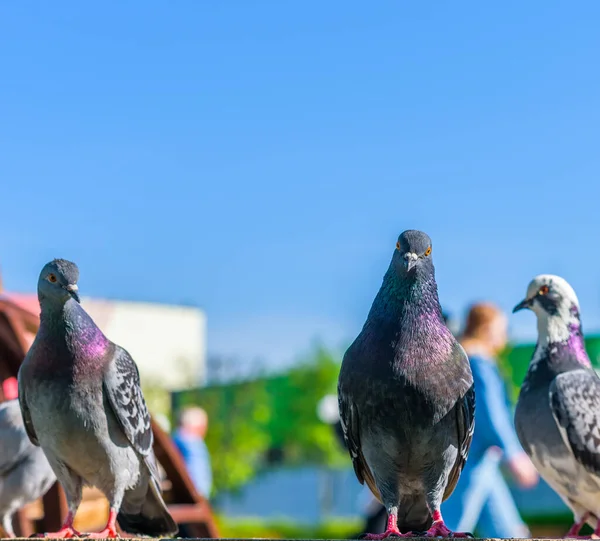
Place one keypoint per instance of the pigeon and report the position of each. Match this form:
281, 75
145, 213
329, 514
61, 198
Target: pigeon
406, 397
557, 417
25, 474
81, 402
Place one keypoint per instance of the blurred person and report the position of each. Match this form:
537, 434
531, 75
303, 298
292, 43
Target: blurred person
189, 439
482, 498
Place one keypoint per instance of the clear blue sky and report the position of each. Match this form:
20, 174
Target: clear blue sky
259, 159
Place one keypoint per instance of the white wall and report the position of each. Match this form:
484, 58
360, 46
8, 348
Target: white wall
168, 343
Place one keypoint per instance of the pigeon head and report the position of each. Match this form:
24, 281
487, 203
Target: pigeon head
413, 253
58, 281
555, 304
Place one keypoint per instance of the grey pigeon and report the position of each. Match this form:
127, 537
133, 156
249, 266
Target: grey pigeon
406, 397
25, 474
82, 404
558, 412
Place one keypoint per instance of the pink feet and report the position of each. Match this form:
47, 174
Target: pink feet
68, 532
392, 530
573, 532
439, 529
107, 533
386, 534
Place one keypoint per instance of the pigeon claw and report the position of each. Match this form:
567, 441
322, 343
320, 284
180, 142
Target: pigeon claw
107, 533
439, 529
573, 532
385, 535
391, 531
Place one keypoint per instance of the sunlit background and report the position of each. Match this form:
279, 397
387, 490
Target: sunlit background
231, 179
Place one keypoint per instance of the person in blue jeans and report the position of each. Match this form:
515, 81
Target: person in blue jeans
482, 499
189, 439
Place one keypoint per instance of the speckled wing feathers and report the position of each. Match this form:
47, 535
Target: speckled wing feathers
122, 386
575, 403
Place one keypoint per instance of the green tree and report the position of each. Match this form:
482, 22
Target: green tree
247, 419
295, 426
237, 435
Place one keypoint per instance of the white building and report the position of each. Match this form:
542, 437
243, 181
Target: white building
168, 342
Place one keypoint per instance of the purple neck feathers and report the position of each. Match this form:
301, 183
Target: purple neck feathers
71, 322
576, 341
412, 319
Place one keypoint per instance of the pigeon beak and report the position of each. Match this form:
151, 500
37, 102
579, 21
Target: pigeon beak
525, 303
410, 260
73, 291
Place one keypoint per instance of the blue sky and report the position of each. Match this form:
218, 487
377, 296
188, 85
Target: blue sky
259, 159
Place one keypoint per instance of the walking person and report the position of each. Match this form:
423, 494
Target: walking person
482, 499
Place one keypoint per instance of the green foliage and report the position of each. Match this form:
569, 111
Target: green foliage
546, 526
295, 426
249, 528
510, 375
237, 436
158, 399
249, 418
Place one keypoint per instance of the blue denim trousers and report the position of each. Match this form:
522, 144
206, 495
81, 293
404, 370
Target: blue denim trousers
482, 501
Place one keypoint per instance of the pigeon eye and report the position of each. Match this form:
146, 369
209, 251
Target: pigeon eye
544, 290
428, 251
52, 278
398, 245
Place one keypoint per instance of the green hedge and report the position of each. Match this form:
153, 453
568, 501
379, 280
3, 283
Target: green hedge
276, 416
249, 528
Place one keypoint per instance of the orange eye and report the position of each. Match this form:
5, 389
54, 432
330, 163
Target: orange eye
52, 278
428, 251
544, 290
398, 245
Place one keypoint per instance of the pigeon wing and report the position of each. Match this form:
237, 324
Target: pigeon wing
23, 405
465, 421
575, 404
351, 430
122, 387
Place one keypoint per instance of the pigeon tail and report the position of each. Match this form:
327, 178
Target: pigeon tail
414, 516
153, 519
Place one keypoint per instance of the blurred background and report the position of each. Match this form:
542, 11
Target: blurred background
231, 179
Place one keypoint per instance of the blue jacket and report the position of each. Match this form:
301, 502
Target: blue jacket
494, 424
197, 459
